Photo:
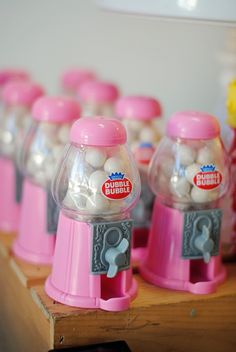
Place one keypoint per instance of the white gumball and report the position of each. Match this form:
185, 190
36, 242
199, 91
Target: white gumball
35, 162
148, 134
63, 134
200, 195
205, 156
179, 186
185, 154
96, 180
76, 201
191, 171
95, 157
97, 204
114, 164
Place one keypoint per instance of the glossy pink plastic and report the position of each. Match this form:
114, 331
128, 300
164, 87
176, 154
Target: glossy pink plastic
34, 244
9, 209
71, 281
8, 74
21, 93
98, 131
138, 107
98, 91
73, 78
163, 265
56, 109
193, 125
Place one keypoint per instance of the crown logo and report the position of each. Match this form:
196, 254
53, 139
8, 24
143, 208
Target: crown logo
116, 176
208, 168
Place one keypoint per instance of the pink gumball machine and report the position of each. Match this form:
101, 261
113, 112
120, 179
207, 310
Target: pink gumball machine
91, 264
98, 98
17, 97
42, 149
141, 117
72, 79
189, 175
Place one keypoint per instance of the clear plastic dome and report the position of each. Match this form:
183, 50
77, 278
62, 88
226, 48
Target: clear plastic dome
42, 149
96, 182
14, 124
139, 131
189, 173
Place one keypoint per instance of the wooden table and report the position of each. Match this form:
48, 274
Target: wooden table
158, 320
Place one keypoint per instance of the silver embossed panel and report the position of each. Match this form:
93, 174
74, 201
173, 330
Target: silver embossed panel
201, 234
109, 237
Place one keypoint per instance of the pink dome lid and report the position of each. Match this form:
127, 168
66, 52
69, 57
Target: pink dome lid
98, 131
193, 125
138, 107
73, 78
98, 91
8, 74
23, 93
56, 109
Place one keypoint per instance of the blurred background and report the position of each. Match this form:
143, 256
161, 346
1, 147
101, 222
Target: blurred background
182, 64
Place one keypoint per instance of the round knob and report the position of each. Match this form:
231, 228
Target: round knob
204, 244
116, 257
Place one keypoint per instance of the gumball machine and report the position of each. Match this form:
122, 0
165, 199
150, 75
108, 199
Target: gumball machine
141, 117
189, 175
73, 78
98, 98
42, 148
17, 97
96, 186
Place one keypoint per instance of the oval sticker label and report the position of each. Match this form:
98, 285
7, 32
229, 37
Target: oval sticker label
208, 178
117, 186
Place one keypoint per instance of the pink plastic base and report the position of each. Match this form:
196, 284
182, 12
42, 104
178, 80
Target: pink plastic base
139, 241
34, 244
31, 257
71, 281
9, 209
113, 304
201, 287
163, 265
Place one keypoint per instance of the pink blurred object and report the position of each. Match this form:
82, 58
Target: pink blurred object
7, 75
34, 244
98, 91
56, 109
184, 251
138, 107
21, 93
9, 209
91, 267
164, 266
139, 114
97, 98
73, 78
